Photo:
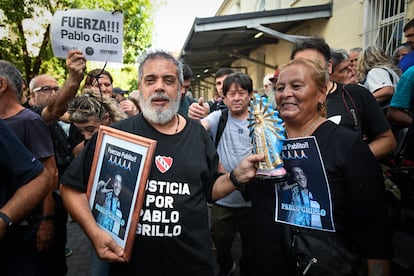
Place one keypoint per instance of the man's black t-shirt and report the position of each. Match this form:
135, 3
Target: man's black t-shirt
355, 107
61, 144
173, 235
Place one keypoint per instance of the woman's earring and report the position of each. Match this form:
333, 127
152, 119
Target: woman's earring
320, 106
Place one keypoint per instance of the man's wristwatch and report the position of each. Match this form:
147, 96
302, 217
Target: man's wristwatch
236, 182
9, 222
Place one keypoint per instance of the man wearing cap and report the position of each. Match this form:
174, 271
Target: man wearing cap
118, 94
269, 89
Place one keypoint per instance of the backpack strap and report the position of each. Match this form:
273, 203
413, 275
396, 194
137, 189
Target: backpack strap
61, 146
353, 111
222, 124
386, 103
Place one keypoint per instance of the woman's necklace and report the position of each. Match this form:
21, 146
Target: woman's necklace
178, 123
307, 130
332, 89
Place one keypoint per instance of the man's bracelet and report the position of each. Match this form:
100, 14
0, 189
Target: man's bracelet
9, 222
236, 182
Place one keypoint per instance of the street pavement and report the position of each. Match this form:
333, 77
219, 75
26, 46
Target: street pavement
78, 262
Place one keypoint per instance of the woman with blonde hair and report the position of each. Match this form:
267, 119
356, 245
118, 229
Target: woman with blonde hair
90, 110
87, 112
377, 73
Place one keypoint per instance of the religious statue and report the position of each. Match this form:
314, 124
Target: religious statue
267, 134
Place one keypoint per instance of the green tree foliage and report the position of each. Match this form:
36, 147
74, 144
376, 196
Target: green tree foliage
25, 37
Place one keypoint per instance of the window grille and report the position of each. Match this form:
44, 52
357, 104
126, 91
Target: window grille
384, 22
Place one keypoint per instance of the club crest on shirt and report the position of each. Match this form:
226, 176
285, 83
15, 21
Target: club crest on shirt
163, 163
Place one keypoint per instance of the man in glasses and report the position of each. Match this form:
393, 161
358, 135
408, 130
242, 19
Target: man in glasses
50, 102
42, 88
46, 89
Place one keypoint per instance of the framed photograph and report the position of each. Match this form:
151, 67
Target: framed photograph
116, 187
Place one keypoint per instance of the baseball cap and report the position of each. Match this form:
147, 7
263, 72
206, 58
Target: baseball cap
117, 90
275, 75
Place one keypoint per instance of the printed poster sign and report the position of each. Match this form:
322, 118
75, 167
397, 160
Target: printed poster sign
305, 199
98, 34
118, 173
117, 182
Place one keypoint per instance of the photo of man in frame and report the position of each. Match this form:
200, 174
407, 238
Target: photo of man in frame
115, 189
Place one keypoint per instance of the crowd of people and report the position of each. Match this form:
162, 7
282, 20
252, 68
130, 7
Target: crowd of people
347, 118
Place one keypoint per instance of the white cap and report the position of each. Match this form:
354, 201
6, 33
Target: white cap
266, 78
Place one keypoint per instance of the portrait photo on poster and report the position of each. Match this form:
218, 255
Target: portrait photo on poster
304, 200
117, 182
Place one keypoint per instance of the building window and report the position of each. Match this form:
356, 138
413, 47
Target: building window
384, 21
261, 5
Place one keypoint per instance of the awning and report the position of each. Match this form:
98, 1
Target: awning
216, 42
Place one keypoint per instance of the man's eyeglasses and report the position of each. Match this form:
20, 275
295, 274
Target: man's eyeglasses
46, 89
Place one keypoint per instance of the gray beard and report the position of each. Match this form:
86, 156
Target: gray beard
155, 115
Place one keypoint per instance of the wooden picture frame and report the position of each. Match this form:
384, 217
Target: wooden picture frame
116, 187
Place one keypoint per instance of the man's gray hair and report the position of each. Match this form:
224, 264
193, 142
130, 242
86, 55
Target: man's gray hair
13, 76
154, 54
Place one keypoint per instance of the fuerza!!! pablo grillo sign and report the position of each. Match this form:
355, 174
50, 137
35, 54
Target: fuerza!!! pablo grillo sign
98, 34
